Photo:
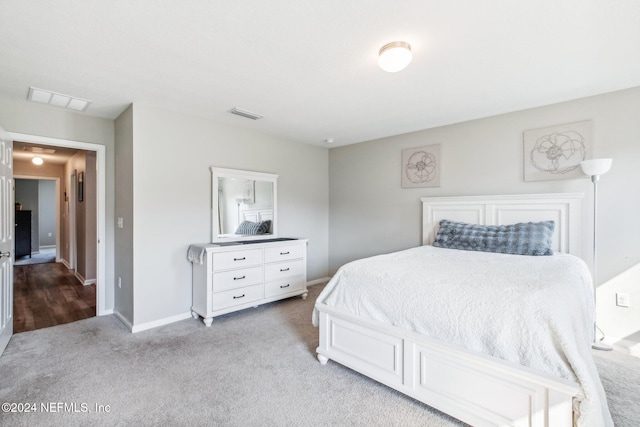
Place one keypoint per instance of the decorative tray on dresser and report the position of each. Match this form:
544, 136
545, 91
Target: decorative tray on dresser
236, 275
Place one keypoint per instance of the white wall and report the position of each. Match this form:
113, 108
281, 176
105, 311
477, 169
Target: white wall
371, 214
172, 199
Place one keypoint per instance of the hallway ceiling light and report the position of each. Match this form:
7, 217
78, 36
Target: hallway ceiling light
57, 99
394, 56
37, 160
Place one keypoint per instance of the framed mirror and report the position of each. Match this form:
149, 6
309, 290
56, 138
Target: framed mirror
244, 205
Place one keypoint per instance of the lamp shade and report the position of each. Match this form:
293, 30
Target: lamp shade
394, 56
596, 166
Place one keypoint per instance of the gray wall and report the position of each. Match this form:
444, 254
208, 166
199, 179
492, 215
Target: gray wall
47, 212
371, 214
85, 213
90, 206
171, 199
124, 210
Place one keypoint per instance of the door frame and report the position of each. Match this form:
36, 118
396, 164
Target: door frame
101, 208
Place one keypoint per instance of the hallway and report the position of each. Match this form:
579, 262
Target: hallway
48, 295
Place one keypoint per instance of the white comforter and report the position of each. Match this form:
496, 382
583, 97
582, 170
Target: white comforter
536, 311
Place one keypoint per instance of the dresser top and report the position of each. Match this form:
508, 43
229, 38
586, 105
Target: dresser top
253, 242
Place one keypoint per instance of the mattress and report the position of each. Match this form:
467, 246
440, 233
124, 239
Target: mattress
537, 311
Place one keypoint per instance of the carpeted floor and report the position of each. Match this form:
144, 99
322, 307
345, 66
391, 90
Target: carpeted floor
45, 255
252, 368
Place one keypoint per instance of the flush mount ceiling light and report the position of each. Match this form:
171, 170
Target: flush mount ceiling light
394, 56
37, 160
59, 100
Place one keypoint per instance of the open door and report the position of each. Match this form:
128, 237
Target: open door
6, 239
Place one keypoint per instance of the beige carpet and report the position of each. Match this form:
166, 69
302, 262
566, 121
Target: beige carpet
252, 368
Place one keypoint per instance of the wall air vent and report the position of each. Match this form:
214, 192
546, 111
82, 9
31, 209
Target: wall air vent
245, 113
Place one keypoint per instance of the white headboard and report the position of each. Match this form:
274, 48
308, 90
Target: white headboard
257, 215
563, 208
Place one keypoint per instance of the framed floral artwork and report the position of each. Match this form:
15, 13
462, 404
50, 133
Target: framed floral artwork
556, 152
421, 166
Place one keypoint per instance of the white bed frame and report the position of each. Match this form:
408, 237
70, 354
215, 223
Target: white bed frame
475, 388
257, 215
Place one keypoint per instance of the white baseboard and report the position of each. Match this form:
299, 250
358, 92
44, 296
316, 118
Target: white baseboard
178, 317
83, 281
318, 281
65, 263
161, 322
123, 319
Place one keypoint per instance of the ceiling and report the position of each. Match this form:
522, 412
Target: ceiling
23, 151
309, 67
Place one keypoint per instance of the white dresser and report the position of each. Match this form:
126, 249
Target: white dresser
234, 276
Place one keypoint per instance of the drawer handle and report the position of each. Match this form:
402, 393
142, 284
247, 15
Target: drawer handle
284, 269
284, 286
284, 253
241, 296
239, 278
240, 259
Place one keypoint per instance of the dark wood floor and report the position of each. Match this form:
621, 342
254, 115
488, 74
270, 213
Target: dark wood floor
47, 295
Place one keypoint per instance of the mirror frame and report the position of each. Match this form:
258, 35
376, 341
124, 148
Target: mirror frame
216, 173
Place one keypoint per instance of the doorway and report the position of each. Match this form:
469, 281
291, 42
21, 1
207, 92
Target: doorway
95, 235
36, 218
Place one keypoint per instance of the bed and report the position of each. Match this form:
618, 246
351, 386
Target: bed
479, 345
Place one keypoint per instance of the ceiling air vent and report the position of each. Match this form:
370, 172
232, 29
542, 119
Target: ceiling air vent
39, 150
245, 113
44, 96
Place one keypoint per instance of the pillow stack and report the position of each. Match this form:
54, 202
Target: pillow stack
250, 228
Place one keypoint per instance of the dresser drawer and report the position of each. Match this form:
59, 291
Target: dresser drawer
232, 279
284, 286
281, 270
282, 253
236, 296
236, 259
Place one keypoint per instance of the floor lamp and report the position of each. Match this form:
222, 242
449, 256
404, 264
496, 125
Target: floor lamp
239, 201
594, 168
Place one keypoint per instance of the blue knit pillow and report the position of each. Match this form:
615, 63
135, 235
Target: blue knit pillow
251, 228
530, 238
